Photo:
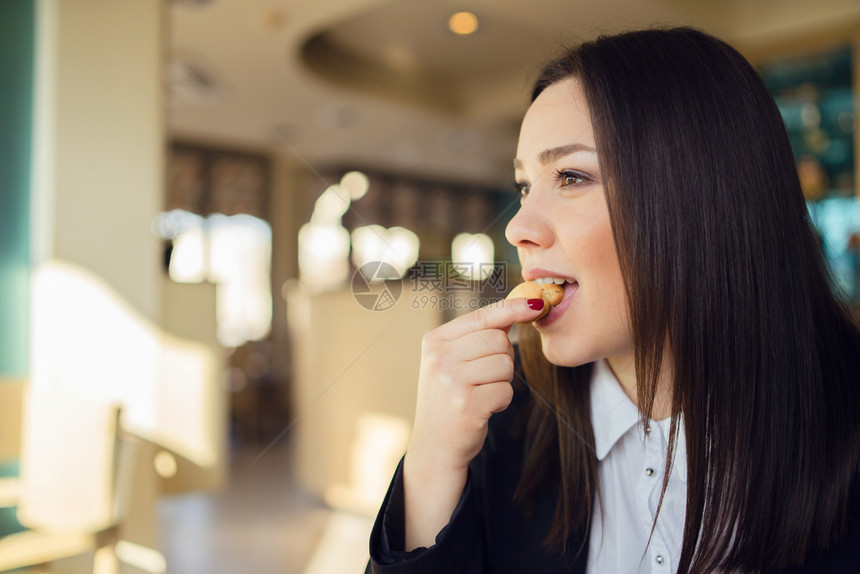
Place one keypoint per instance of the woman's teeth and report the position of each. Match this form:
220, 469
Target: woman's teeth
548, 280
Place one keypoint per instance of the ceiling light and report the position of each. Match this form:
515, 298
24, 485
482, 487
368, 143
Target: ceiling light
463, 23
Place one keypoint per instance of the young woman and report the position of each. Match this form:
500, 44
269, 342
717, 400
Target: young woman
693, 403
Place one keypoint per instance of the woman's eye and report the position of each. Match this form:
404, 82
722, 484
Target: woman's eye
568, 177
521, 187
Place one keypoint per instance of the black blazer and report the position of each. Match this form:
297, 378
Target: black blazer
490, 533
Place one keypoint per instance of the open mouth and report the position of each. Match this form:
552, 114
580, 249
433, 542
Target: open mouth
555, 280
553, 291
570, 289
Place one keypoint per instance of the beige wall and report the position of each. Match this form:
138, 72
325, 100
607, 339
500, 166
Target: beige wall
290, 206
349, 362
188, 312
100, 128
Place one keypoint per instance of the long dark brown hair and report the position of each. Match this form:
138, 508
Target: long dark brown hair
723, 273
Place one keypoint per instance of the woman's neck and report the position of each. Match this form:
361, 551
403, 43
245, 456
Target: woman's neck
623, 367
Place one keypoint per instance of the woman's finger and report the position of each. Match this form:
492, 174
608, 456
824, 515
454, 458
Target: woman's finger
499, 315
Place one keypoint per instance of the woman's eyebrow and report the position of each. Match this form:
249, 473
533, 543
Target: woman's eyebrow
552, 154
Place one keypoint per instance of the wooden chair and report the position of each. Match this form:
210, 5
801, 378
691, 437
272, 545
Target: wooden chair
74, 485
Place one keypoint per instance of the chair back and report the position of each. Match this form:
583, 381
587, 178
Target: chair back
71, 456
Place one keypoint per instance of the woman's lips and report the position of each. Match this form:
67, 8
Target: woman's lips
570, 290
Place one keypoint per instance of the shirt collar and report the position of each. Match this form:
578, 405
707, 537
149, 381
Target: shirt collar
613, 414
679, 468
612, 411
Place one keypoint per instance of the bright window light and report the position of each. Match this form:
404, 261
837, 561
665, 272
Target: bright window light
396, 246
473, 255
88, 340
331, 205
323, 255
169, 224
240, 254
234, 252
188, 258
355, 183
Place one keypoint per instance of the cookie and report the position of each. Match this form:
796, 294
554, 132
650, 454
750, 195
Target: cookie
551, 294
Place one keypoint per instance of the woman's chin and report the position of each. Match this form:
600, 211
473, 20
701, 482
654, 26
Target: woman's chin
560, 355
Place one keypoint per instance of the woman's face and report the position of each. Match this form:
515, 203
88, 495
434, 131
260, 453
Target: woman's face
562, 230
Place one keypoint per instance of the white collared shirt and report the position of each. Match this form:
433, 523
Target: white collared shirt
631, 466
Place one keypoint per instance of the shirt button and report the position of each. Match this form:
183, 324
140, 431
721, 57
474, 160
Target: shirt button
659, 559
649, 472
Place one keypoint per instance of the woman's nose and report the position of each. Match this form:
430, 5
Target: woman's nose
529, 227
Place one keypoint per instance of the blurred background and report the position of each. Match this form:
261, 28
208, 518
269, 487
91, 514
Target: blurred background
226, 224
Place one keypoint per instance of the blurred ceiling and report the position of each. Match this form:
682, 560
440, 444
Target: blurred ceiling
385, 85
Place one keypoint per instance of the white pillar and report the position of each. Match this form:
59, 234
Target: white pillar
99, 141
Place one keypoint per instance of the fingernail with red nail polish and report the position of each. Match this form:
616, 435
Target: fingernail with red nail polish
535, 304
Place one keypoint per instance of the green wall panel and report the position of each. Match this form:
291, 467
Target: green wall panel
17, 41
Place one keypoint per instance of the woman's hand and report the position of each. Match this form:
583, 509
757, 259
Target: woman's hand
466, 370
